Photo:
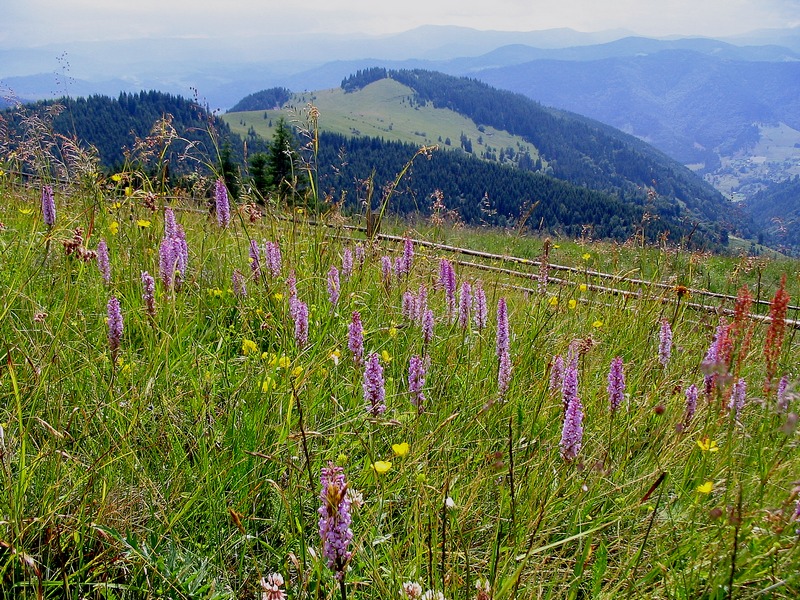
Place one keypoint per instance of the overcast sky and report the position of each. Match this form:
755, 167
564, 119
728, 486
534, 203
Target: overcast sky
37, 22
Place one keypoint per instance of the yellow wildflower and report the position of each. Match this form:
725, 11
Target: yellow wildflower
116, 177
143, 223
277, 296
297, 371
387, 358
284, 362
707, 445
335, 356
586, 256
248, 346
113, 228
706, 488
392, 331
597, 324
268, 385
26, 211
129, 191
401, 449
381, 466
582, 287
573, 303
553, 301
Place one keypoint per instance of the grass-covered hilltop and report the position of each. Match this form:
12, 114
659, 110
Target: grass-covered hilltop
229, 381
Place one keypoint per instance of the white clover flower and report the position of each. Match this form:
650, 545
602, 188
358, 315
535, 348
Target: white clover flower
412, 590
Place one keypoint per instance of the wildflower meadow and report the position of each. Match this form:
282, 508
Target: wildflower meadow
203, 398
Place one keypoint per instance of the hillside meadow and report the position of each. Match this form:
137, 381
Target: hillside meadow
200, 400
384, 109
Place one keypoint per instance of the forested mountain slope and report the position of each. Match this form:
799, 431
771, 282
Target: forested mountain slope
776, 212
483, 192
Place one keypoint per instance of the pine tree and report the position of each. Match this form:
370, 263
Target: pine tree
258, 173
229, 170
281, 159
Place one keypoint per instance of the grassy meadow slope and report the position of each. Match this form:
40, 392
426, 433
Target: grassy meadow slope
170, 441
384, 109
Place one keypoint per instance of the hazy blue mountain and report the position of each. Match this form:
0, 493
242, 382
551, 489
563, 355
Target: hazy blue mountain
154, 57
625, 47
788, 37
224, 70
685, 103
46, 86
436, 43
331, 73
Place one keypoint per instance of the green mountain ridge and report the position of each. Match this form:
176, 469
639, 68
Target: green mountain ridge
385, 109
567, 146
484, 192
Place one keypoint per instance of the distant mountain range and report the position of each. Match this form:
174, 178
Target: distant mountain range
224, 70
729, 108
694, 106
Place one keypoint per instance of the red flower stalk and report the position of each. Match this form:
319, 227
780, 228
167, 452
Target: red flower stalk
776, 331
741, 330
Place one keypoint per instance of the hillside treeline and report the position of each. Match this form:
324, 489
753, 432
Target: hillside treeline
363, 77
113, 126
264, 100
497, 195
